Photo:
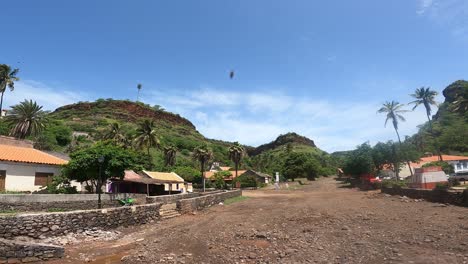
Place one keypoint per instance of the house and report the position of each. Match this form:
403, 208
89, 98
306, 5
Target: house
459, 163
133, 182
25, 169
259, 176
171, 181
215, 167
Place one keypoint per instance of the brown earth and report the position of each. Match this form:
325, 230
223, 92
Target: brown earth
322, 222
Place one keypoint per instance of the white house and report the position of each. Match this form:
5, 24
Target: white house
23, 168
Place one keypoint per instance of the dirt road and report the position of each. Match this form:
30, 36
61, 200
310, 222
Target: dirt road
322, 222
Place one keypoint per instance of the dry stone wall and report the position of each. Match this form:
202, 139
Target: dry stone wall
436, 196
42, 225
63, 202
167, 199
25, 252
198, 203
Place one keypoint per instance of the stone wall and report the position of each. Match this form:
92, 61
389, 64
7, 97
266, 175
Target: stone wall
62, 202
436, 196
167, 199
42, 225
198, 203
23, 252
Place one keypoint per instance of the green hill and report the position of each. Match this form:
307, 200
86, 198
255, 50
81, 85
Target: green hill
270, 157
77, 125
450, 123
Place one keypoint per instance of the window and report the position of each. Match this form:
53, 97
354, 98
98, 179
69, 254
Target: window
42, 178
459, 166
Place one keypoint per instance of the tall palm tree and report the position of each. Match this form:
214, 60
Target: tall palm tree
146, 136
115, 133
139, 86
394, 112
426, 97
7, 79
170, 153
236, 152
203, 155
26, 118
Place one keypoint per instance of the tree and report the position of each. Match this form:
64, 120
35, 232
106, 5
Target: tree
394, 112
298, 165
426, 97
139, 86
7, 79
115, 133
360, 161
26, 118
236, 152
203, 155
146, 136
170, 153
85, 165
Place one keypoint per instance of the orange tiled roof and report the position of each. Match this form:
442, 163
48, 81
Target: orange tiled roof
425, 160
28, 155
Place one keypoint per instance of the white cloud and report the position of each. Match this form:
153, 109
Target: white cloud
424, 5
49, 97
450, 14
255, 118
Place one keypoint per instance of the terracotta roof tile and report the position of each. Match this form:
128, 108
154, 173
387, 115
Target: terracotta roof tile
28, 155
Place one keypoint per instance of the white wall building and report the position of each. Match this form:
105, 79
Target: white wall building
24, 168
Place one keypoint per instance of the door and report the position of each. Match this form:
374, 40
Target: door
2, 180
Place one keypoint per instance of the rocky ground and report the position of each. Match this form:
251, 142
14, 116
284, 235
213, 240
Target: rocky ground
322, 222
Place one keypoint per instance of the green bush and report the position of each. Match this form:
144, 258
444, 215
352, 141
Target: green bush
189, 174
394, 184
446, 167
441, 186
246, 181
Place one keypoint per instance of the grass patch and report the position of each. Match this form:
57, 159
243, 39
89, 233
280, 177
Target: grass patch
7, 212
235, 200
55, 210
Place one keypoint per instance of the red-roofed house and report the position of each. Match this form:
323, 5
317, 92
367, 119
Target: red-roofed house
459, 163
23, 168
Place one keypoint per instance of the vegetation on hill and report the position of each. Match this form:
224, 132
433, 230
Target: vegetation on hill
271, 157
449, 124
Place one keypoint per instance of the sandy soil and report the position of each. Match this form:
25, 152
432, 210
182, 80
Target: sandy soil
322, 222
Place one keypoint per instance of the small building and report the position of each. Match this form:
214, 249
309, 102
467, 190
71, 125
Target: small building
259, 176
216, 167
25, 169
427, 178
172, 182
133, 182
459, 163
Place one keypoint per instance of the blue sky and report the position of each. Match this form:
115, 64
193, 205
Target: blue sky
319, 68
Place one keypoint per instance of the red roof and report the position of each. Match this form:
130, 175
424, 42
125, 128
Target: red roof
28, 155
425, 160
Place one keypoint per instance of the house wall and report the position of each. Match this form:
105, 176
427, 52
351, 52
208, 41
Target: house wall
20, 176
459, 166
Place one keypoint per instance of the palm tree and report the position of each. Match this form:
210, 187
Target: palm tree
26, 118
170, 153
7, 79
236, 152
115, 133
203, 155
146, 136
394, 112
139, 86
426, 97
